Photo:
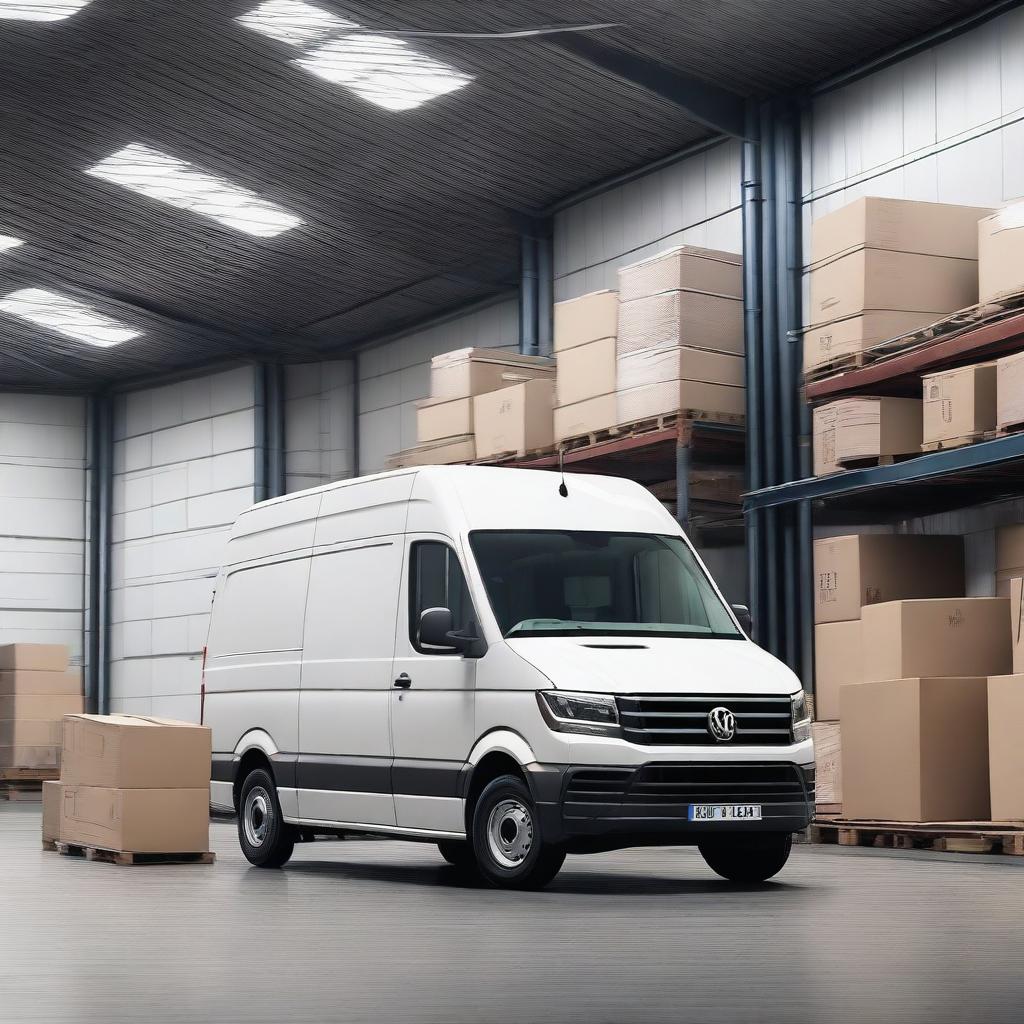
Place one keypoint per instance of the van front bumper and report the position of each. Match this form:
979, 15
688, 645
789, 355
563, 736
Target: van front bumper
609, 806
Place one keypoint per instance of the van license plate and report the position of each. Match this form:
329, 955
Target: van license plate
725, 812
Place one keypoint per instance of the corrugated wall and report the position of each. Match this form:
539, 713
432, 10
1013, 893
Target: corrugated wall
184, 468
946, 125
693, 202
42, 520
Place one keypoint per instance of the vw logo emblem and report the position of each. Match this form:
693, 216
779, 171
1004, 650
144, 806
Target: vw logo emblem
721, 724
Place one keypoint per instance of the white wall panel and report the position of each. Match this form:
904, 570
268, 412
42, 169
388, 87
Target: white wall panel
185, 467
318, 424
43, 520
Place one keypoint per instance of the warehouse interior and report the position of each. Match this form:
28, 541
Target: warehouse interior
238, 237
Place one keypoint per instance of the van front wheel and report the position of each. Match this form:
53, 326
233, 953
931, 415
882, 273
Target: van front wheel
266, 839
507, 838
750, 858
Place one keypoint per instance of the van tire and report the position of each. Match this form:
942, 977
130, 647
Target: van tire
747, 858
266, 839
507, 839
458, 853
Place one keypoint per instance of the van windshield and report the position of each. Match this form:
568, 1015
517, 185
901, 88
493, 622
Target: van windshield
568, 583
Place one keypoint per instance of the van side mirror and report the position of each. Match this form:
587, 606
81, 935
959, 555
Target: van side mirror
742, 613
436, 631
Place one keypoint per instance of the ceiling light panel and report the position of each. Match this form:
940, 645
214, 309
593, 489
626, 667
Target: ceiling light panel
290, 21
160, 176
40, 10
384, 70
9, 242
67, 316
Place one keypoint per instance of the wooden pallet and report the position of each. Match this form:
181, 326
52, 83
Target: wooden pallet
995, 837
959, 442
1004, 429
838, 364
21, 792
127, 857
876, 460
649, 426
29, 774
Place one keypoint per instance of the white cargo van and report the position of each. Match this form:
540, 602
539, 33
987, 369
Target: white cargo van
510, 668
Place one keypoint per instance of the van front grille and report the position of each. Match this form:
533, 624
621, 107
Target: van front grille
661, 719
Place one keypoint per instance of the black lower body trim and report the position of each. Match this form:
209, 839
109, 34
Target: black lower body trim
348, 774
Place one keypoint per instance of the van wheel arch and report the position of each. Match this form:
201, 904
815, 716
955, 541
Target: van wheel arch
252, 758
490, 767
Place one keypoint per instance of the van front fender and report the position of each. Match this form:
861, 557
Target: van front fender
502, 741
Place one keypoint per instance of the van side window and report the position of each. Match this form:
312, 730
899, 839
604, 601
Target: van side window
436, 581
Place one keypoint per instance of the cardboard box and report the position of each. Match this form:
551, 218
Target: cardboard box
33, 657
823, 440
466, 372
40, 706
516, 420
585, 417
864, 428
26, 732
440, 420
916, 750
838, 660
828, 763
898, 281
53, 796
586, 371
959, 404
137, 820
836, 338
685, 268
1017, 622
28, 681
672, 319
135, 752
648, 400
937, 637
445, 452
1005, 750
1009, 556
24, 756
1001, 253
1009, 398
588, 318
863, 569
903, 225
657, 365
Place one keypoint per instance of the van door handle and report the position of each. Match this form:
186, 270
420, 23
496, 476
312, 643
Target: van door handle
403, 682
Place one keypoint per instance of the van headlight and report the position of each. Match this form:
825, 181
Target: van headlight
801, 720
593, 714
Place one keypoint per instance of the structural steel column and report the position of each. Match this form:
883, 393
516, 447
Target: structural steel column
101, 490
528, 298
545, 293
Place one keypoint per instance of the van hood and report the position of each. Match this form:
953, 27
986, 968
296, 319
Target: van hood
598, 664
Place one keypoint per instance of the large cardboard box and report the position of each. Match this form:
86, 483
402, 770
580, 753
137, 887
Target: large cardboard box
466, 372
53, 796
1009, 556
440, 420
883, 279
585, 417
27, 732
838, 661
515, 420
445, 452
135, 752
685, 268
585, 319
936, 229
657, 365
864, 428
1017, 622
33, 657
828, 341
958, 404
828, 763
649, 400
916, 750
29, 681
937, 637
39, 706
671, 319
862, 569
1005, 749
136, 820
25, 756
586, 371
1009, 387
1001, 253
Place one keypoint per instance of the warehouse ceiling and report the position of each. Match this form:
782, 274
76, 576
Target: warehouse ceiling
186, 182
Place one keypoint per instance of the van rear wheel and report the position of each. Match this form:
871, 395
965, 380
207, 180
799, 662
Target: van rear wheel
507, 838
266, 839
747, 858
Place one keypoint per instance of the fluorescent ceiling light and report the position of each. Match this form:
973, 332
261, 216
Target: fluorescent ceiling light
9, 242
173, 181
384, 70
293, 22
67, 316
40, 10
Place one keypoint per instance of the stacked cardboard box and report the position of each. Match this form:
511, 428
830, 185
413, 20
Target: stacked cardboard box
130, 783
864, 428
959, 405
881, 268
1001, 254
37, 689
680, 335
1009, 557
584, 342
1009, 393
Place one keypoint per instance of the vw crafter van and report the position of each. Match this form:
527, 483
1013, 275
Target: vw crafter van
511, 668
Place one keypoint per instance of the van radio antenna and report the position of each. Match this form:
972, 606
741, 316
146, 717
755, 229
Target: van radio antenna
562, 489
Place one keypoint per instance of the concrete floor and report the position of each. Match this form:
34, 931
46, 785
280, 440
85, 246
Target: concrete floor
384, 931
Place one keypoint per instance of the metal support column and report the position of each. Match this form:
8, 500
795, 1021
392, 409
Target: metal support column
528, 299
683, 486
274, 418
355, 413
545, 293
101, 490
